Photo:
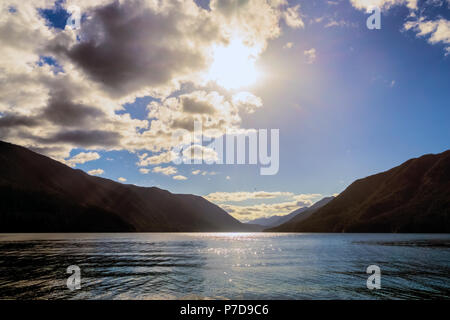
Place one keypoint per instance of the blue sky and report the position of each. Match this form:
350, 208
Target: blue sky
367, 101
342, 121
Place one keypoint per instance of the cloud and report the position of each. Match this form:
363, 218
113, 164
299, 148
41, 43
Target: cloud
292, 17
209, 173
165, 171
384, 4
132, 45
288, 45
73, 83
165, 157
81, 158
228, 201
62, 110
96, 172
211, 109
310, 55
179, 177
246, 101
220, 197
204, 173
84, 138
264, 210
307, 199
250, 212
122, 179
170, 41
8, 121
144, 170
340, 23
198, 152
199, 102
436, 31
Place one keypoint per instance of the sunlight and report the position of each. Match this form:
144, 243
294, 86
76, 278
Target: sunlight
234, 65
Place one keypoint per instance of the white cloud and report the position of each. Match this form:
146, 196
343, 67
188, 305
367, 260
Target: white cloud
81, 158
291, 202
436, 31
198, 152
292, 17
178, 114
209, 173
307, 198
220, 197
385, 4
288, 45
144, 170
96, 172
310, 55
340, 23
203, 173
247, 101
164, 157
167, 171
263, 210
179, 177
122, 179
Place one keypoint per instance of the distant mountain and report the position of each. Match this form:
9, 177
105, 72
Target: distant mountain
274, 221
413, 197
299, 215
38, 194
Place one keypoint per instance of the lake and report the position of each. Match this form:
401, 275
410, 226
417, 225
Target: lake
224, 266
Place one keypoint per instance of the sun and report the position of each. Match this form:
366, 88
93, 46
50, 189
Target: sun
233, 65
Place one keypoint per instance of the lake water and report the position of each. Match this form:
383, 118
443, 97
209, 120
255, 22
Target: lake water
224, 266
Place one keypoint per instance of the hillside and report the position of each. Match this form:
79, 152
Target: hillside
300, 215
38, 194
413, 197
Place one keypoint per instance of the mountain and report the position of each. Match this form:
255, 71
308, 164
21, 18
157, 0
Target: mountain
299, 215
38, 194
274, 221
413, 197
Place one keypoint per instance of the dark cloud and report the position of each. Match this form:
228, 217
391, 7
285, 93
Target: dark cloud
191, 105
9, 121
186, 123
61, 110
126, 47
230, 7
85, 138
48, 150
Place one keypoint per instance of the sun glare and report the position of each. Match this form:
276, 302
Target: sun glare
234, 65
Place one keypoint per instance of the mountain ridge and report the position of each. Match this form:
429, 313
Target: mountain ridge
301, 216
412, 197
40, 194
276, 220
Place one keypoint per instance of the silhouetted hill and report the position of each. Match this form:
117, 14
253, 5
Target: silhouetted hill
300, 215
38, 194
413, 197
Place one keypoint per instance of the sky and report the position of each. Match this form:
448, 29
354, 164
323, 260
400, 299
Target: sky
107, 95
